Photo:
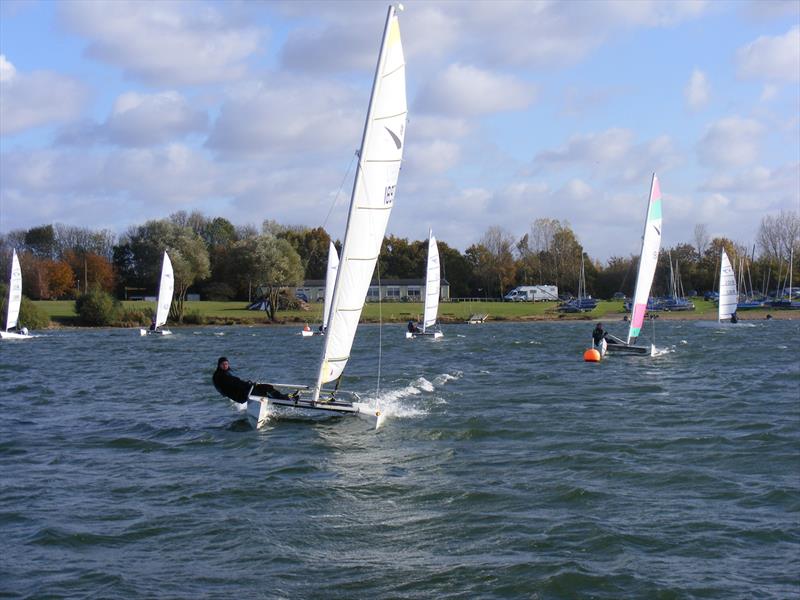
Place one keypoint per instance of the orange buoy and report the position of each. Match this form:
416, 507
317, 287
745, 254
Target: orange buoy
591, 355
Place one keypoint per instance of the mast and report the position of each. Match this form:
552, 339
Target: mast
371, 200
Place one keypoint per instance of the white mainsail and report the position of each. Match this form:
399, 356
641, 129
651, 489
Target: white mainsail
165, 290
728, 294
330, 281
432, 282
648, 259
14, 293
370, 203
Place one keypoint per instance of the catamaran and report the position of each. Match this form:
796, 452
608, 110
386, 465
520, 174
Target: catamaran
648, 258
371, 201
432, 285
330, 280
14, 302
728, 294
165, 289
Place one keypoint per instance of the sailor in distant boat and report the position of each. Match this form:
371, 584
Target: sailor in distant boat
239, 390
734, 318
153, 323
412, 328
598, 335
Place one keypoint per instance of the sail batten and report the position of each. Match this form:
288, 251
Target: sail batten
648, 259
371, 202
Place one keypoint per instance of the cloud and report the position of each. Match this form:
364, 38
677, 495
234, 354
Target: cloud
606, 147
163, 43
27, 99
772, 58
464, 90
733, 142
300, 117
697, 91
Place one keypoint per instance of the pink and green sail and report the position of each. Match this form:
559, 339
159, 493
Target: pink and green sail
651, 244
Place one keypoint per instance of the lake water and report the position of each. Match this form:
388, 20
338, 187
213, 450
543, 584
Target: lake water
508, 467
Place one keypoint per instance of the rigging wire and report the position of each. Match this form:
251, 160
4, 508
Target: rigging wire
339, 192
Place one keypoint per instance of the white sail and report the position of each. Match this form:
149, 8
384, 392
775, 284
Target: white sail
432, 282
728, 294
370, 203
14, 293
165, 290
330, 281
648, 259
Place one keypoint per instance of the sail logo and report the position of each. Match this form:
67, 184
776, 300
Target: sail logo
395, 139
388, 197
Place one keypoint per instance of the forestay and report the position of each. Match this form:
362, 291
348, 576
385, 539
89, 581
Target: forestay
370, 203
432, 282
728, 295
648, 258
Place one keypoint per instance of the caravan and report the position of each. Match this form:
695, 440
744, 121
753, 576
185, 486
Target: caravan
532, 293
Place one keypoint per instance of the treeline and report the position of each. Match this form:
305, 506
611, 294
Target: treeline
221, 261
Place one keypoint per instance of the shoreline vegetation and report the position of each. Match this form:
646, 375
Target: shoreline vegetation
62, 313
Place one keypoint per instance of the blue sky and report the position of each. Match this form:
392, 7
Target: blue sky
112, 113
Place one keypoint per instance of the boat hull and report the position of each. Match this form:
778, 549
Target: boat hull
10, 335
428, 334
259, 408
144, 332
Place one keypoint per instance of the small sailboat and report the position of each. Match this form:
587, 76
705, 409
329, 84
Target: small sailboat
371, 202
648, 258
432, 291
584, 302
165, 289
14, 302
330, 280
728, 294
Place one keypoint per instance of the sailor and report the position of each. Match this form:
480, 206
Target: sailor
412, 328
239, 390
598, 335
306, 327
153, 323
734, 318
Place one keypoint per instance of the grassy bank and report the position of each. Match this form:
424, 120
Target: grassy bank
63, 312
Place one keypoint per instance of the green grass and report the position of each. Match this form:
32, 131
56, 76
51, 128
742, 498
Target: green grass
63, 311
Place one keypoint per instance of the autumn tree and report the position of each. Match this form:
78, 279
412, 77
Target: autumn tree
270, 262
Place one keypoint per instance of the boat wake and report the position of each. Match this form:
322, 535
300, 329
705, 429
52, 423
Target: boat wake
663, 351
412, 400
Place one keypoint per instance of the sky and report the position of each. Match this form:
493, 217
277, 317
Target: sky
116, 112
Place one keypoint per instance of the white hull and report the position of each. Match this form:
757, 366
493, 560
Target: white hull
259, 409
428, 334
144, 332
10, 335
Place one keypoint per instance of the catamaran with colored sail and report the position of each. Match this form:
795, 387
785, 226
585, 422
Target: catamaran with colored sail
728, 294
14, 303
432, 290
648, 259
371, 202
166, 287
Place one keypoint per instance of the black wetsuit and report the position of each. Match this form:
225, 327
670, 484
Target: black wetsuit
238, 390
598, 335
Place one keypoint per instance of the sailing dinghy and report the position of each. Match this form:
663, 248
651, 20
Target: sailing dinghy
165, 290
651, 244
432, 284
371, 202
330, 280
14, 302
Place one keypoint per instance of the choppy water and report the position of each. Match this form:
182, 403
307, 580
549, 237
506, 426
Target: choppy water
507, 469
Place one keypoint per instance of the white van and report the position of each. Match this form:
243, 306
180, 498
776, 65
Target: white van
532, 293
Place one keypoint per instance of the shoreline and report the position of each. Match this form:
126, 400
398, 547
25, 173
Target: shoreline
749, 316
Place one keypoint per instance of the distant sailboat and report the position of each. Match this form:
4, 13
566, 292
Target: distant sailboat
432, 290
330, 280
14, 302
648, 259
166, 287
371, 203
728, 294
